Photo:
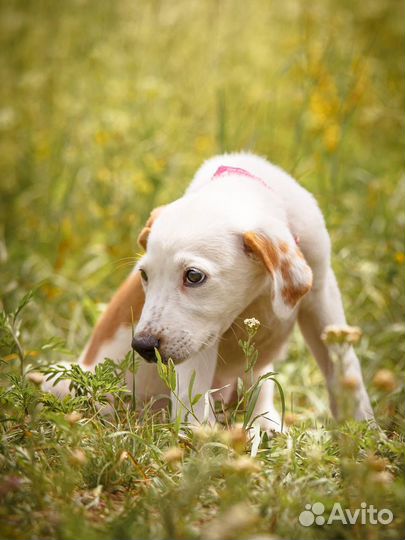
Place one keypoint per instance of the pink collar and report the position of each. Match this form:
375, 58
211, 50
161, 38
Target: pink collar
223, 170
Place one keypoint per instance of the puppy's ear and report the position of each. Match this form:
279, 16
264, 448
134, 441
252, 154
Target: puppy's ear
144, 234
292, 277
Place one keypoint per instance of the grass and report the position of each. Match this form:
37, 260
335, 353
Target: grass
107, 110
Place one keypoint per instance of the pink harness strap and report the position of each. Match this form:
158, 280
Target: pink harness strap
223, 170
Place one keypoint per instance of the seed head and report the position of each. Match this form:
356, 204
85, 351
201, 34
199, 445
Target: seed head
337, 335
173, 455
78, 457
73, 417
385, 380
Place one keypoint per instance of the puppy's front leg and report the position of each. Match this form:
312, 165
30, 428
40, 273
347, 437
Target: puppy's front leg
320, 308
203, 364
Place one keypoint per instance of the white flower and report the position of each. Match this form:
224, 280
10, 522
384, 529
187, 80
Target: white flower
251, 324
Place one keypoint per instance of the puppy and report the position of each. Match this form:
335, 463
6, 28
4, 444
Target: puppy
246, 240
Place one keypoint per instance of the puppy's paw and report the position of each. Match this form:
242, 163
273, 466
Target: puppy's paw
270, 422
60, 389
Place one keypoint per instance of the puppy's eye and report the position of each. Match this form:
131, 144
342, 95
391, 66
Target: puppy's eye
193, 277
144, 275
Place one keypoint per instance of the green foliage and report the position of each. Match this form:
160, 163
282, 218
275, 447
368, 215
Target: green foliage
106, 110
105, 383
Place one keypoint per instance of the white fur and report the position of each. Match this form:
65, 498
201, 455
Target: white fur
204, 229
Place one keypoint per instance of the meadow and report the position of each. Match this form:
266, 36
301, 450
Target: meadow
106, 111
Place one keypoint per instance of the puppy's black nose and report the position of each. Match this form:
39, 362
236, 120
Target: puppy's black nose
145, 346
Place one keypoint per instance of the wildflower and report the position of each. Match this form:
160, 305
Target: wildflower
400, 257
385, 380
332, 137
376, 463
290, 419
315, 454
173, 455
350, 382
73, 417
334, 334
123, 456
78, 457
383, 478
242, 464
204, 432
236, 438
252, 324
231, 523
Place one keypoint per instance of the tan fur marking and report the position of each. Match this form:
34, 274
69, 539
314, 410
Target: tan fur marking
264, 248
292, 294
299, 253
285, 268
143, 237
118, 313
275, 258
144, 234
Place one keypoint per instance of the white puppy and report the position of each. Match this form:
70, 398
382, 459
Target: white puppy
246, 240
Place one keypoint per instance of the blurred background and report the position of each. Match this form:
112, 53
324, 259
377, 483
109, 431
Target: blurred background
108, 108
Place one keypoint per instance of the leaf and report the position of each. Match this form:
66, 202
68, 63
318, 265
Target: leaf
24, 301
190, 387
239, 387
196, 399
172, 375
253, 397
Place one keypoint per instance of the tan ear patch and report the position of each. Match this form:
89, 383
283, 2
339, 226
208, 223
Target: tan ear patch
143, 237
263, 248
292, 291
292, 277
144, 234
127, 301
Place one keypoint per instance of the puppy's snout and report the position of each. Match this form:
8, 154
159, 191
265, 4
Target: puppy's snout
145, 346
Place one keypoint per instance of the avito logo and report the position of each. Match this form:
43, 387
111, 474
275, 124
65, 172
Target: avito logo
314, 513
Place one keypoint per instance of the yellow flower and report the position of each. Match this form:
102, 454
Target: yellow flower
142, 184
332, 136
236, 438
203, 144
102, 138
104, 174
400, 257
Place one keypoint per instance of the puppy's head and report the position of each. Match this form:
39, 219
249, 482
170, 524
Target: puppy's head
203, 265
